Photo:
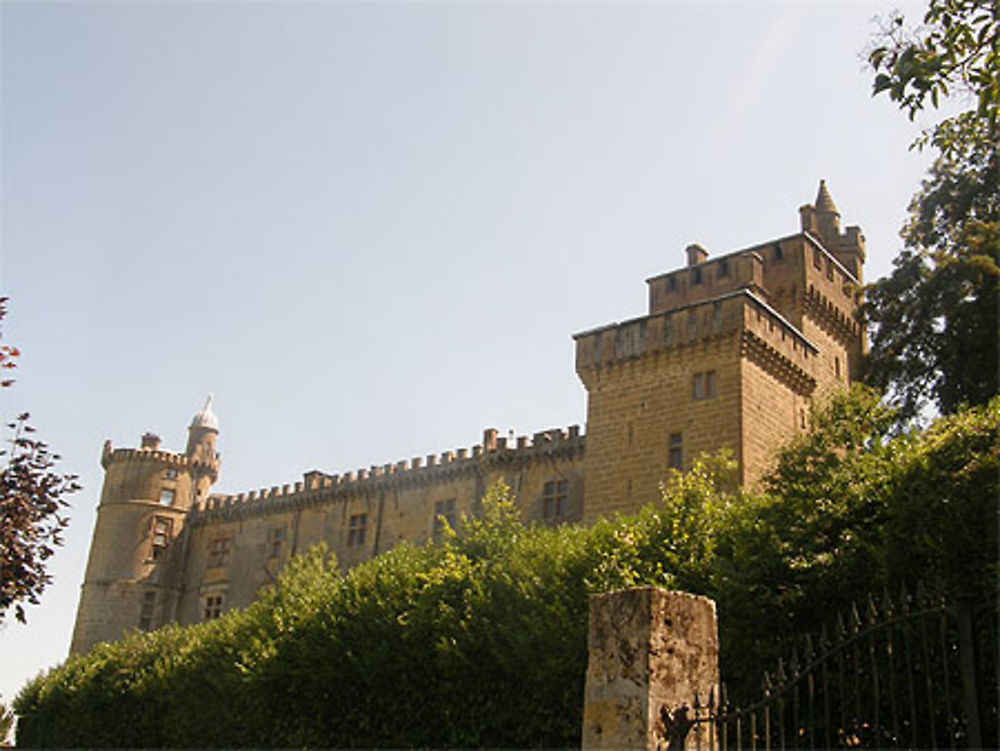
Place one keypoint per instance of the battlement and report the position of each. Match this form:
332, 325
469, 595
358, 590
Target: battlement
318, 487
726, 315
166, 458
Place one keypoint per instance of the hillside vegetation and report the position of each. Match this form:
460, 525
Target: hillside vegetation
480, 641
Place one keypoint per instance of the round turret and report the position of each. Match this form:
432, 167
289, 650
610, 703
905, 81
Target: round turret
202, 432
144, 503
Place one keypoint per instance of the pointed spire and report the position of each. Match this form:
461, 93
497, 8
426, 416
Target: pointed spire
824, 202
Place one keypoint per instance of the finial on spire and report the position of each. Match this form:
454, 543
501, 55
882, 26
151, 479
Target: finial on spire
206, 417
824, 202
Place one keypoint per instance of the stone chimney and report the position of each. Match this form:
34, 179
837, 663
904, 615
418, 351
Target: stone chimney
696, 254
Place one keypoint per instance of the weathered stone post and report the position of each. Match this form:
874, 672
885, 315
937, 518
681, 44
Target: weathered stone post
648, 648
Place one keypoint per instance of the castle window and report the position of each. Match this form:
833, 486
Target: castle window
146, 613
212, 607
704, 385
167, 497
836, 366
555, 497
672, 283
275, 539
444, 514
170, 473
162, 529
356, 527
829, 269
218, 553
676, 456
723, 268
778, 253
696, 277
817, 258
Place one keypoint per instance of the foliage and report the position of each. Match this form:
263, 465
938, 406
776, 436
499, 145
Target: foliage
481, 640
954, 50
935, 326
31, 498
854, 507
6, 723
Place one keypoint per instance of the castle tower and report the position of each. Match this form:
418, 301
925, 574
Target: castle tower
146, 495
731, 355
200, 451
822, 221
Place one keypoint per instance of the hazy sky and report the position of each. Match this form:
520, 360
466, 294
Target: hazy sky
371, 228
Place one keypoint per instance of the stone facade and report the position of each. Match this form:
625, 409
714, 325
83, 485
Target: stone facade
730, 355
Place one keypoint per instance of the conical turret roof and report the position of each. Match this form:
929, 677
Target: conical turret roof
824, 202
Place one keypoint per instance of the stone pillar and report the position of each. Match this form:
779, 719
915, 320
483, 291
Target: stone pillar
648, 648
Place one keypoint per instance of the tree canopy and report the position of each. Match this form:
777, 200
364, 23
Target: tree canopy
934, 318
31, 501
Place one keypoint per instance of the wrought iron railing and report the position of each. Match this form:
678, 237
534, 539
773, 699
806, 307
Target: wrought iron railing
914, 671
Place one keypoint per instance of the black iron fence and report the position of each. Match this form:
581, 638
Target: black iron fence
910, 671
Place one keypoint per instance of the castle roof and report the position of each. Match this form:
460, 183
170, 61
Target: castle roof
206, 417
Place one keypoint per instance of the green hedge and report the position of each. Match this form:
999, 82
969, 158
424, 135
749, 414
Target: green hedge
481, 641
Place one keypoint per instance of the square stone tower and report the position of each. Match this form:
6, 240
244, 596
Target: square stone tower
731, 354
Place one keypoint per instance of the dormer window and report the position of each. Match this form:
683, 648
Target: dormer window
167, 496
170, 473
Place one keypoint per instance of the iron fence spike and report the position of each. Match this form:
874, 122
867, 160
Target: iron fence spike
872, 610
888, 608
855, 618
824, 639
841, 629
809, 651
793, 664
904, 599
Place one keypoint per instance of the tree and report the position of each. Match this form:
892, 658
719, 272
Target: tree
31, 500
934, 318
6, 723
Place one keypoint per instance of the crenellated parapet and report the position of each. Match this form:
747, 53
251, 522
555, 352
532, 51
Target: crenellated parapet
831, 315
165, 458
740, 314
318, 488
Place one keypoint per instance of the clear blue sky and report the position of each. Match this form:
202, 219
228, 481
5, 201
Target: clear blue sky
370, 229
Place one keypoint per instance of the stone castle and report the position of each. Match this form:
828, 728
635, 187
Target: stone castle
731, 353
